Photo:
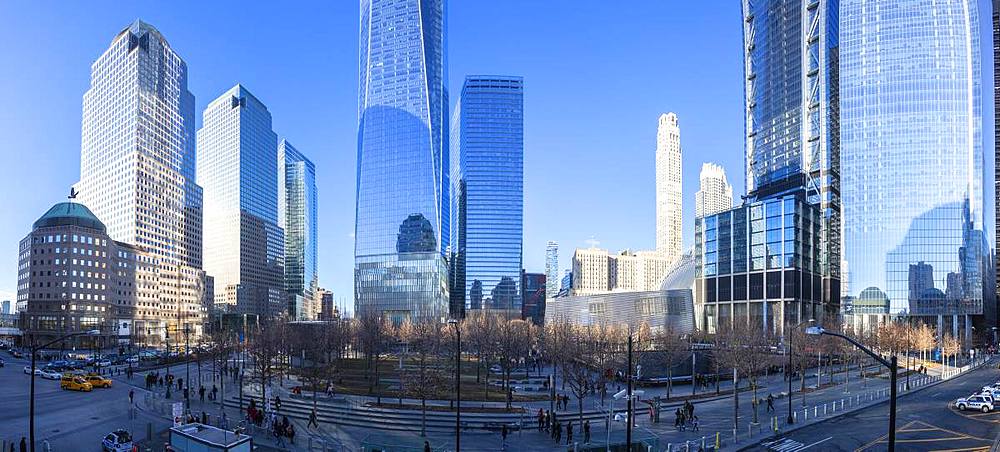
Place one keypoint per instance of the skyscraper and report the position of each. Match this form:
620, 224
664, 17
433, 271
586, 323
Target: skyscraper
137, 164
669, 218
552, 278
912, 158
297, 214
793, 135
996, 162
238, 166
487, 149
402, 219
715, 194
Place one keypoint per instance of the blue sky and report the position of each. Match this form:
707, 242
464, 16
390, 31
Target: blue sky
597, 75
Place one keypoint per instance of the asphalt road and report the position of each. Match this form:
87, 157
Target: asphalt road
925, 421
69, 420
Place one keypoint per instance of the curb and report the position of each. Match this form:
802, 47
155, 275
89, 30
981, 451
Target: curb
856, 409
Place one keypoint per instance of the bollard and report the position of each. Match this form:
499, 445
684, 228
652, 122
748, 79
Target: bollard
805, 414
816, 411
718, 443
670, 447
702, 443
795, 416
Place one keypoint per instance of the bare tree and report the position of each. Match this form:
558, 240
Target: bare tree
950, 347
425, 378
577, 364
670, 347
513, 342
266, 346
373, 334
925, 340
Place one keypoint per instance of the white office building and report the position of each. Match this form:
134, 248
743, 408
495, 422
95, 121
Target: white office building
715, 194
669, 219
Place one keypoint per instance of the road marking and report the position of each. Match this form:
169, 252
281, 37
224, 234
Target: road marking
817, 442
979, 449
783, 445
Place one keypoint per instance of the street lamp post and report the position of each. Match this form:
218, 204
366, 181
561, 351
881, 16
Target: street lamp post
458, 384
187, 367
34, 351
790, 419
628, 410
891, 364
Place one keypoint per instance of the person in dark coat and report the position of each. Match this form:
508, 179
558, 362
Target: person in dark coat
24, 445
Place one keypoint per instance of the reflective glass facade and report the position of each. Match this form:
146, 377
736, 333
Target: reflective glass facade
238, 166
791, 50
759, 262
912, 158
402, 211
297, 210
488, 192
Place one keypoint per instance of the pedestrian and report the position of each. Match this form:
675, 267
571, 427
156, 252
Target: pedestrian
569, 432
180, 383
24, 445
277, 403
215, 392
586, 431
541, 418
204, 418
201, 393
770, 403
312, 419
279, 434
677, 419
291, 433
690, 410
547, 424
427, 446
683, 422
503, 436
694, 423
131, 396
558, 430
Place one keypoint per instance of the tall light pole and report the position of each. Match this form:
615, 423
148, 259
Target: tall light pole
628, 410
790, 419
458, 384
891, 364
187, 366
34, 351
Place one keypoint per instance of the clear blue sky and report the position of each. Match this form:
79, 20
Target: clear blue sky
597, 75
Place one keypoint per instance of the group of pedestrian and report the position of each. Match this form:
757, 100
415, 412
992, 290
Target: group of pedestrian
684, 417
562, 402
155, 379
283, 429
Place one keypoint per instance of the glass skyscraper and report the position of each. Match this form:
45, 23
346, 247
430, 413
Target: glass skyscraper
297, 213
487, 145
238, 166
137, 165
912, 158
402, 218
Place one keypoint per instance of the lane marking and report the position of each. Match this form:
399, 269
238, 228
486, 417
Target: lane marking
817, 442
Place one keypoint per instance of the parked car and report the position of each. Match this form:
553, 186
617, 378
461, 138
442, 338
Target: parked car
132, 359
976, 402
104, 363
27, 370
117, 441
16, 354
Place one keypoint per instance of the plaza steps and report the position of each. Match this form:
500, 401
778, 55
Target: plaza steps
353, 415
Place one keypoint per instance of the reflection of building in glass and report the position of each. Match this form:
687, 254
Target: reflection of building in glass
867, 311
565, 284
912, 158
402, 160
775, 260
533, 291
487, 156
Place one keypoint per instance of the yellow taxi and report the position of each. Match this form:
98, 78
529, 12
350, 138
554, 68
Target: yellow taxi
75, 383
98, 381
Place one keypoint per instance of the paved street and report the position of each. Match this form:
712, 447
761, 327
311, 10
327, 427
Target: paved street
925, 421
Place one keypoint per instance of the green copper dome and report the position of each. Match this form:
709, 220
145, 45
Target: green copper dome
70, 214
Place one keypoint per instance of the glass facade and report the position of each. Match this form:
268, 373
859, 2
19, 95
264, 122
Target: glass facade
297, 209
759, 263
238, 166
792, 102
403, 163
488, 192
552, 277
912, 157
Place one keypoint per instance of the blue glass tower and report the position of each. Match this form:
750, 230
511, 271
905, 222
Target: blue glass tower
487, 145
402, 211
297, 210
912, 158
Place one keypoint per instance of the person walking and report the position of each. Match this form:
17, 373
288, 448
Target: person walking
558, 430
290, 430
694, 423
586, 431
503, 437
24, 445
201, 393
427, 446
277, 403
312, 419
569, 433
131, 397
541, 418
770, 403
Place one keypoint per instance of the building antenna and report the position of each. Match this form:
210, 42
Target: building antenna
593, 242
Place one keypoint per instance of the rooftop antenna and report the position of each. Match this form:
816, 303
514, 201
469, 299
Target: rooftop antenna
592, 242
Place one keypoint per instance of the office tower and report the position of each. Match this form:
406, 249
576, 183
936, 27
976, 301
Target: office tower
297, 214
552, 278
988, 307
488, 188
775, 260
669, 218
912, 158
533, 289
238, 167
565, 284
402, 218
715, 194
327, 310
74, 277
137, 166
5, 307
